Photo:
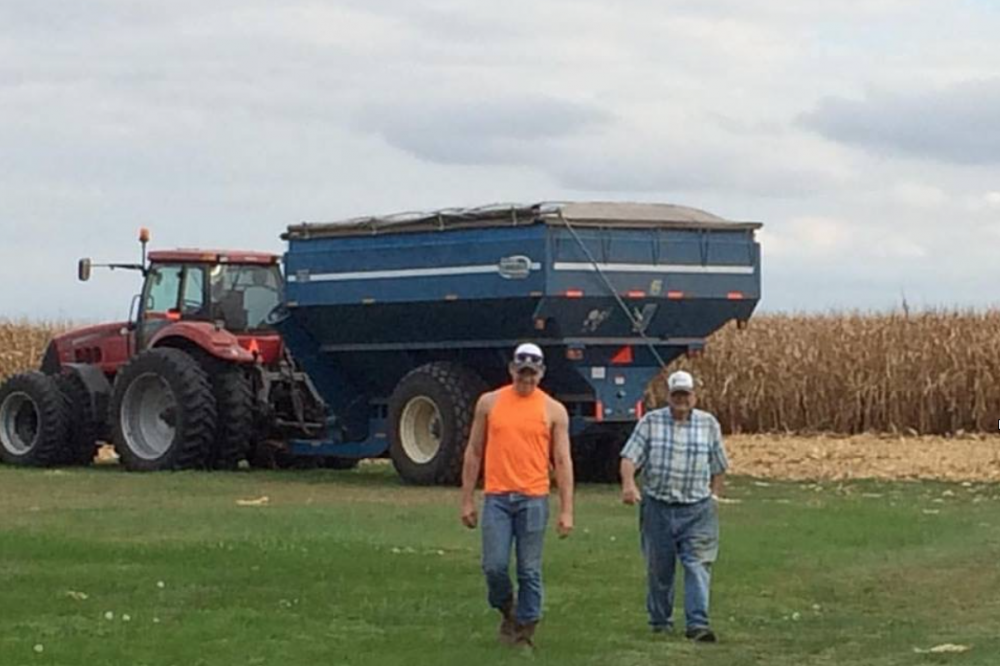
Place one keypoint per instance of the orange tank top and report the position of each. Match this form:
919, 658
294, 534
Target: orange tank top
518, 444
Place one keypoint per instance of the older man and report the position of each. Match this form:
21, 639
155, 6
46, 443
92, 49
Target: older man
520, 432
683, 462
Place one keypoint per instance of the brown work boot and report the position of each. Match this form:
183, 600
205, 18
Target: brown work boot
508, 625
526, 634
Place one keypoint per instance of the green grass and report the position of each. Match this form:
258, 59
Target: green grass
354, 568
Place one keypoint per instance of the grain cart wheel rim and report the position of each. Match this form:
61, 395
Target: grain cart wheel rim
149, 416
420, 429
19, 421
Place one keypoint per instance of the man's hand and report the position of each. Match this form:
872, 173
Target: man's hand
631, 494
470, 518
565, 526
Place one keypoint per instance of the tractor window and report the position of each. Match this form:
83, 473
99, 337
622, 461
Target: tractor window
162, 289
193, 301
243, 295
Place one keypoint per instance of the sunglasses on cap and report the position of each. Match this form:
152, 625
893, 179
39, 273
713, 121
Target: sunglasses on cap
523, 357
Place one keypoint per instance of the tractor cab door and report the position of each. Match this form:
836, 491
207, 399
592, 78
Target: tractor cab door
172, 292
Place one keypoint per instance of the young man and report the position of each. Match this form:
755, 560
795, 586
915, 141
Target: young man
521, 431
679, 450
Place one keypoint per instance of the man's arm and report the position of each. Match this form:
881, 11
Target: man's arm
718, 461
630, 491
473, 462
564, 468
634, 455
718, 484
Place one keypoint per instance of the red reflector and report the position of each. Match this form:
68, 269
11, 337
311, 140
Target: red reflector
636, 294
574, 293
640, 409
599, 410
735, 295
675, 294
623, 356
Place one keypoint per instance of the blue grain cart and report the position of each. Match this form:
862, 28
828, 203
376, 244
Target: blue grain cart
402, 321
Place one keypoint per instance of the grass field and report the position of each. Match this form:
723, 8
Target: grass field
353, 568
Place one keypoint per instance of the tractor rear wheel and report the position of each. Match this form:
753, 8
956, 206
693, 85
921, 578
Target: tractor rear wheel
234, 430
163, 412
84, 426
33, 421
430, 416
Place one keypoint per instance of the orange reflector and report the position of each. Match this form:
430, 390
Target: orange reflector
675, 294
599, 410
173, 315
253, 347
636, 294
735, 295
623, 356
574, 293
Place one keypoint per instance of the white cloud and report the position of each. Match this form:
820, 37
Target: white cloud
919, 195
807, 237
219, 123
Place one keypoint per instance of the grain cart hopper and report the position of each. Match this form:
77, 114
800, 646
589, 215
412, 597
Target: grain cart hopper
402, 321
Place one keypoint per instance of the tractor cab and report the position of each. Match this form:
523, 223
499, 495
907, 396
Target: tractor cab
218, 300
235, 290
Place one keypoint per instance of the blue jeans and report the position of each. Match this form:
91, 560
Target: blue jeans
689, 532
519, 520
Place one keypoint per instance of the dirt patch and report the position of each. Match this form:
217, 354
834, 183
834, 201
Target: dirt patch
968, 458
833, 457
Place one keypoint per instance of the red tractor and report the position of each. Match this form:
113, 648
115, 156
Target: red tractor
195, 378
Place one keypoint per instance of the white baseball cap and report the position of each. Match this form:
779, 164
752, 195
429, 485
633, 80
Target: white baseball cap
680, 381
529, 355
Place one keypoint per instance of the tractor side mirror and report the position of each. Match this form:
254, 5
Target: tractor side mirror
83, 270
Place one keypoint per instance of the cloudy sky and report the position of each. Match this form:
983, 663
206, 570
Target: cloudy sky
865, 134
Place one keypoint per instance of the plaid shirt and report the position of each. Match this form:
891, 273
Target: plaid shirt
677, 458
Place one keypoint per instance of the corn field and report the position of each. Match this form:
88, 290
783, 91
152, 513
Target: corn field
925, 373
22, 345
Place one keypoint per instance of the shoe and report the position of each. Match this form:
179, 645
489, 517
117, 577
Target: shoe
507, 633
701, 635
526, 634
662, 628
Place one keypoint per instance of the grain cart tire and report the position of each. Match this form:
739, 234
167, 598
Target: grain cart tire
584, 468
83, 426
430, 415
607, 459
163, 412
33, 421
597, 456
335, 462
234, 429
